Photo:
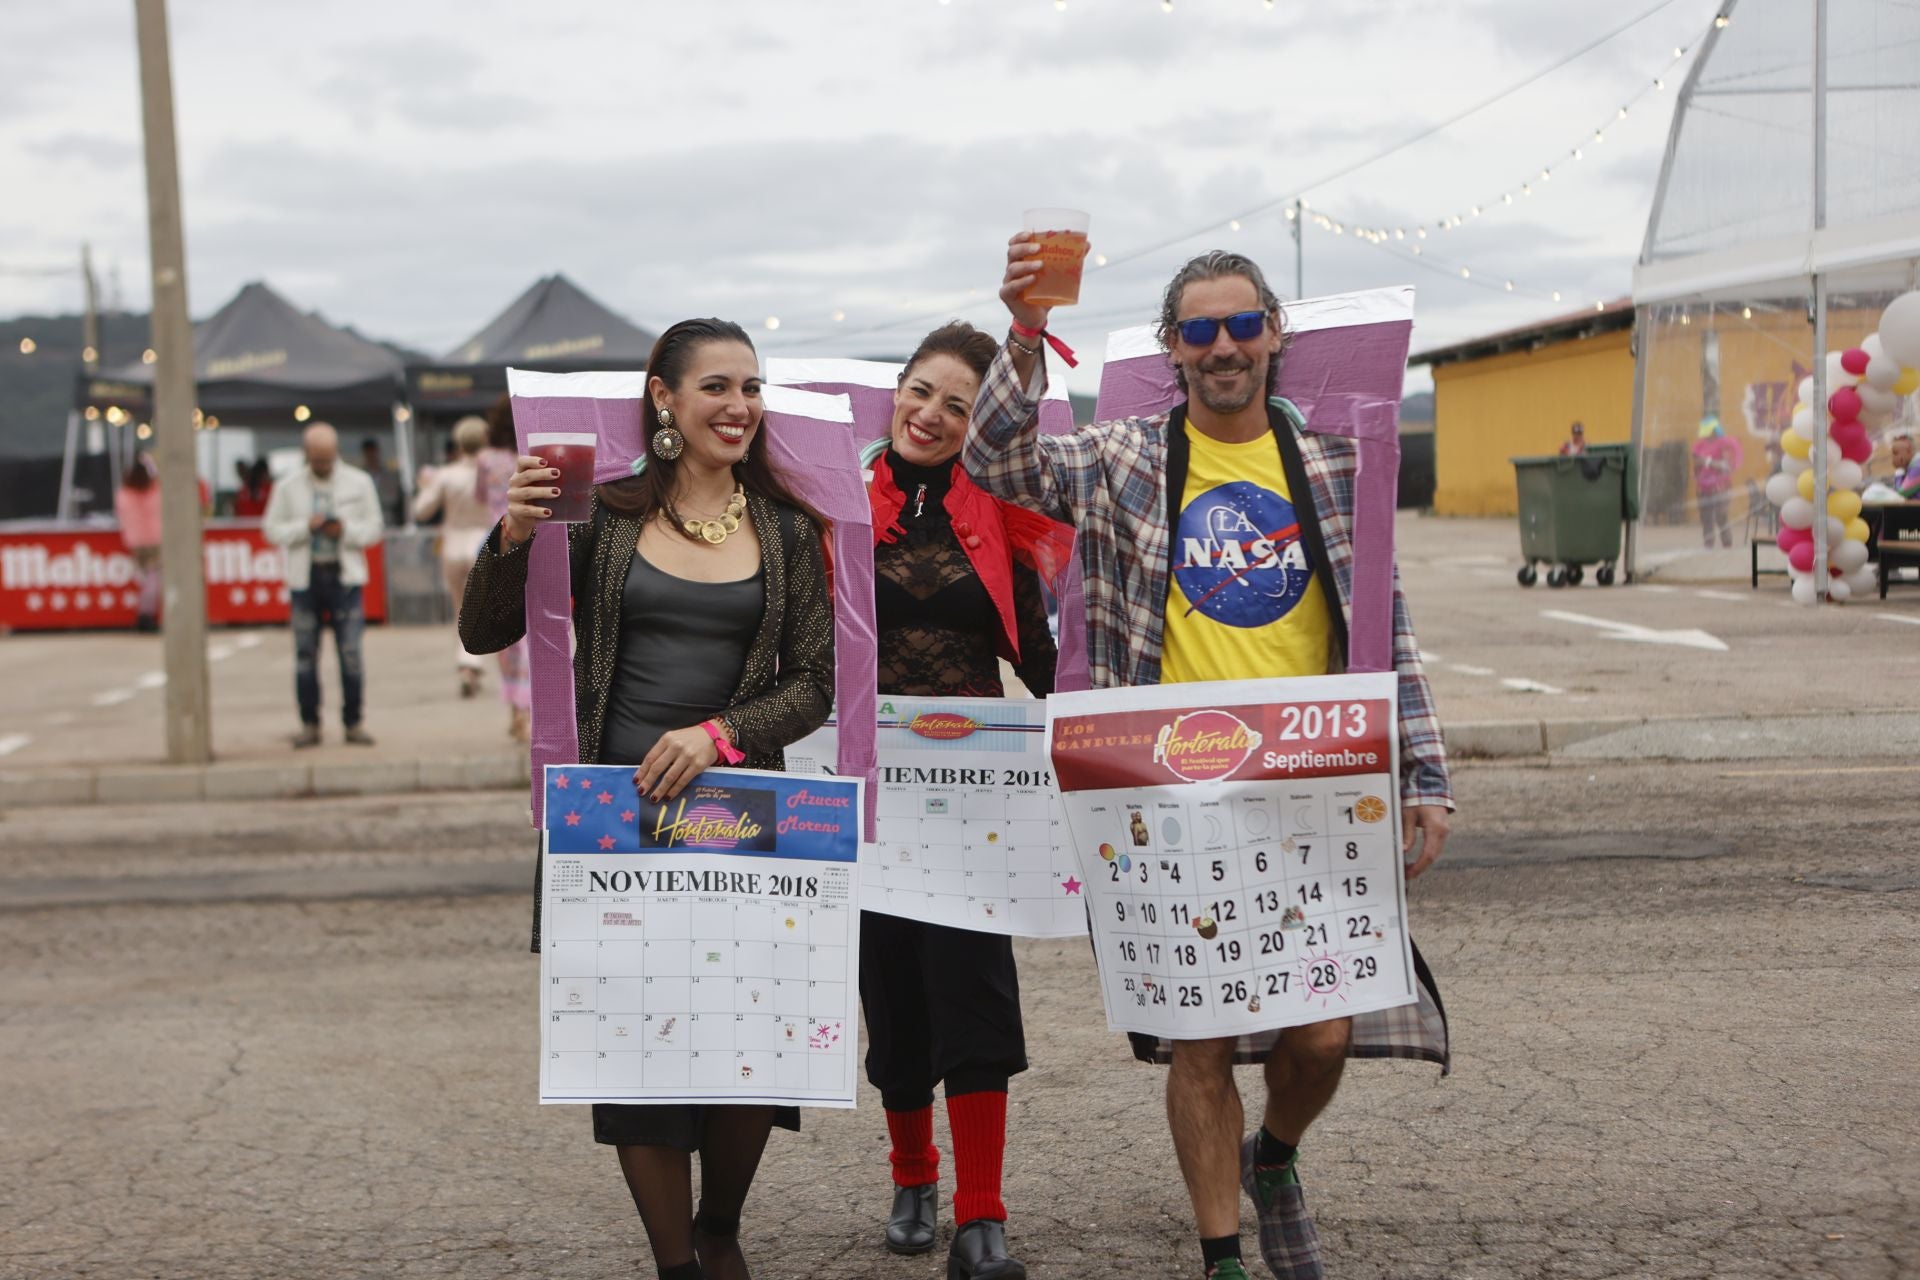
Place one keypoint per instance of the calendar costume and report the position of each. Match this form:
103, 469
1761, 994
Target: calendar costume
655, 653
955, 591
1124, 486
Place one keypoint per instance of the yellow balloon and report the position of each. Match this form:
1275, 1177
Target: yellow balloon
1805, 483
1844, 505
1908, 382
1857, 530
1796, 445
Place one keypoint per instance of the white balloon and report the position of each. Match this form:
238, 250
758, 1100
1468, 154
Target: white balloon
1803, 420
1796, 513
1849, 555
1872, 345
1864, 581
1838, 589
1882, 373
1792, 466
1847, 475
1878, 401
1806, 389
1900, 328
1781, 488
1837, 377
1836, 530
1803, 591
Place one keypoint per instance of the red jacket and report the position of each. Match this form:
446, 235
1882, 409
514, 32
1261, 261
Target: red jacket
994, 534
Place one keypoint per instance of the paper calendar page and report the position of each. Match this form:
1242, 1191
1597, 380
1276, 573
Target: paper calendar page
703, 950
968, 826
1240, 843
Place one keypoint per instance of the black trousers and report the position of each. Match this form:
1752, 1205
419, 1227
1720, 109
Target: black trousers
941, 1004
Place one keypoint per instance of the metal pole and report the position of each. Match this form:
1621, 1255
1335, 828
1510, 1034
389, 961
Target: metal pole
90, 325
189, 729
1820, 540
1643, 321
1299, 250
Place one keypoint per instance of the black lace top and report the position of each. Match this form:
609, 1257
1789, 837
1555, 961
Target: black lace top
937, 623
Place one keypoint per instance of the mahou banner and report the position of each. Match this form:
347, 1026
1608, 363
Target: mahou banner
72, 579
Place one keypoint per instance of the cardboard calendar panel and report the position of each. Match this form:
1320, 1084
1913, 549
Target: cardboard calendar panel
968, 831
1240, 844
701, 950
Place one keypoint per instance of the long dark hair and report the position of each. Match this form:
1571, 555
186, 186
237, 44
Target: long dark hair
139, 474
651, 490
500, 425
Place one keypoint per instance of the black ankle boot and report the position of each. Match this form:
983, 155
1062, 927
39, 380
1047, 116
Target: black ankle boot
916, 1213
980, 1253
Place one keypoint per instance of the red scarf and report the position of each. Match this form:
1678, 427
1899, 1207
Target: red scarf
993, 533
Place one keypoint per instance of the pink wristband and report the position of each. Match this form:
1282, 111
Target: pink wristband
729, 754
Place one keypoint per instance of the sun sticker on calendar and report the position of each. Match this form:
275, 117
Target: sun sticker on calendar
1241, 856
700, 950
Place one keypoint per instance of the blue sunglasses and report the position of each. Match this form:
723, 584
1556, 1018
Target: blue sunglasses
1241, 327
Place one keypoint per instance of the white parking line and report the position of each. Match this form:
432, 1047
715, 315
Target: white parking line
1720, 595
1466, 670
112, 697
151, 680
1899, 617
1656, 588
247, 642
13, 742
220, 652
1521, 685
1430, 659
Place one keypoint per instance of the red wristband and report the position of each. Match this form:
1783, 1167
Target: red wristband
1065, 351
1025, 332
729, 754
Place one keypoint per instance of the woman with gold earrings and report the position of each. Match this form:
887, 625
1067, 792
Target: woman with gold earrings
704, 636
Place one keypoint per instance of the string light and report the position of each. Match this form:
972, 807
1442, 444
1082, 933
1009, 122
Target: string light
1234, 225
301, 413
149, 356
28, 346
773, 322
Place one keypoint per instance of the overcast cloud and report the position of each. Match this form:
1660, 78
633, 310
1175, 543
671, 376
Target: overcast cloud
409, 168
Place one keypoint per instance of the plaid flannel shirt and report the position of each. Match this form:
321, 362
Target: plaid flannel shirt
1108, 481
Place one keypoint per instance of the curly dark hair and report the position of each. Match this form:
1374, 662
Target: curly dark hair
1217, 264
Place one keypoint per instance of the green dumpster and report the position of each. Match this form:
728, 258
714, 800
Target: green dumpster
1571, 509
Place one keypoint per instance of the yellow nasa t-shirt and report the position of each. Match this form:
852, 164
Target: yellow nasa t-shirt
1242, 601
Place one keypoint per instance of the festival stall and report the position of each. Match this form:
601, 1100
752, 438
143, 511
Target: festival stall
1782, 228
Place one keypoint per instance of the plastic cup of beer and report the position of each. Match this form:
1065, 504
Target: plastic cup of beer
570, 453
1062, 237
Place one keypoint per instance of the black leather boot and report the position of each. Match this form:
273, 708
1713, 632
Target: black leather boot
980, 1253
916, 1213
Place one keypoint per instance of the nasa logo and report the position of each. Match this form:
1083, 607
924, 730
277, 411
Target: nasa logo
1241, 560
1202, 746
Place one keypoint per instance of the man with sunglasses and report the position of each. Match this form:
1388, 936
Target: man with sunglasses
1216, 544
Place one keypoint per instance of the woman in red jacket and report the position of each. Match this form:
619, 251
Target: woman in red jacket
955, 592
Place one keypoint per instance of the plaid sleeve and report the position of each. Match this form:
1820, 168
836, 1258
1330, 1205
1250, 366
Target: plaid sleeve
1008, 457
1423, 752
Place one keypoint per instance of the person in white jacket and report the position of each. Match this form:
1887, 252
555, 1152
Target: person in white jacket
326, 515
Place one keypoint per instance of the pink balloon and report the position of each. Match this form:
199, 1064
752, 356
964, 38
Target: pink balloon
1861, 451
1846, 433
1854, 361
1801, 557
1791, 538
1844, 404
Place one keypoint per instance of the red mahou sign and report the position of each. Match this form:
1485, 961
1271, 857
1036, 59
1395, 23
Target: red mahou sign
71, 579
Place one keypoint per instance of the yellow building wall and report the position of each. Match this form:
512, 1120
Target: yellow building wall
1489, 410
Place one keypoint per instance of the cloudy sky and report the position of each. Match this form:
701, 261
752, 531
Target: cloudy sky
410, 167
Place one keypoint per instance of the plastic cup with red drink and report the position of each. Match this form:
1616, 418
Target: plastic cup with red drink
571, 453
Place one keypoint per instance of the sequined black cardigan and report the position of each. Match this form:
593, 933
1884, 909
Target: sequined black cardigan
786, 686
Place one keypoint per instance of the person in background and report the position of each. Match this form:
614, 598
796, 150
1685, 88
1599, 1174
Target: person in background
256, 487
955, 592
705, 636
452, 492
136, 505
326, 515
1576, 441
1716, 456
1906, 472
493, 476
386, 481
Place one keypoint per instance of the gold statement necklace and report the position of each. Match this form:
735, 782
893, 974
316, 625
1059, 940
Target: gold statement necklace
723, 526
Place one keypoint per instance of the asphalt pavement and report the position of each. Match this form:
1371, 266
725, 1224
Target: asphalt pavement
298, 1038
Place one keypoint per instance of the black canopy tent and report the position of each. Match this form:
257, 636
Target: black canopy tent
555, 326
262, 363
